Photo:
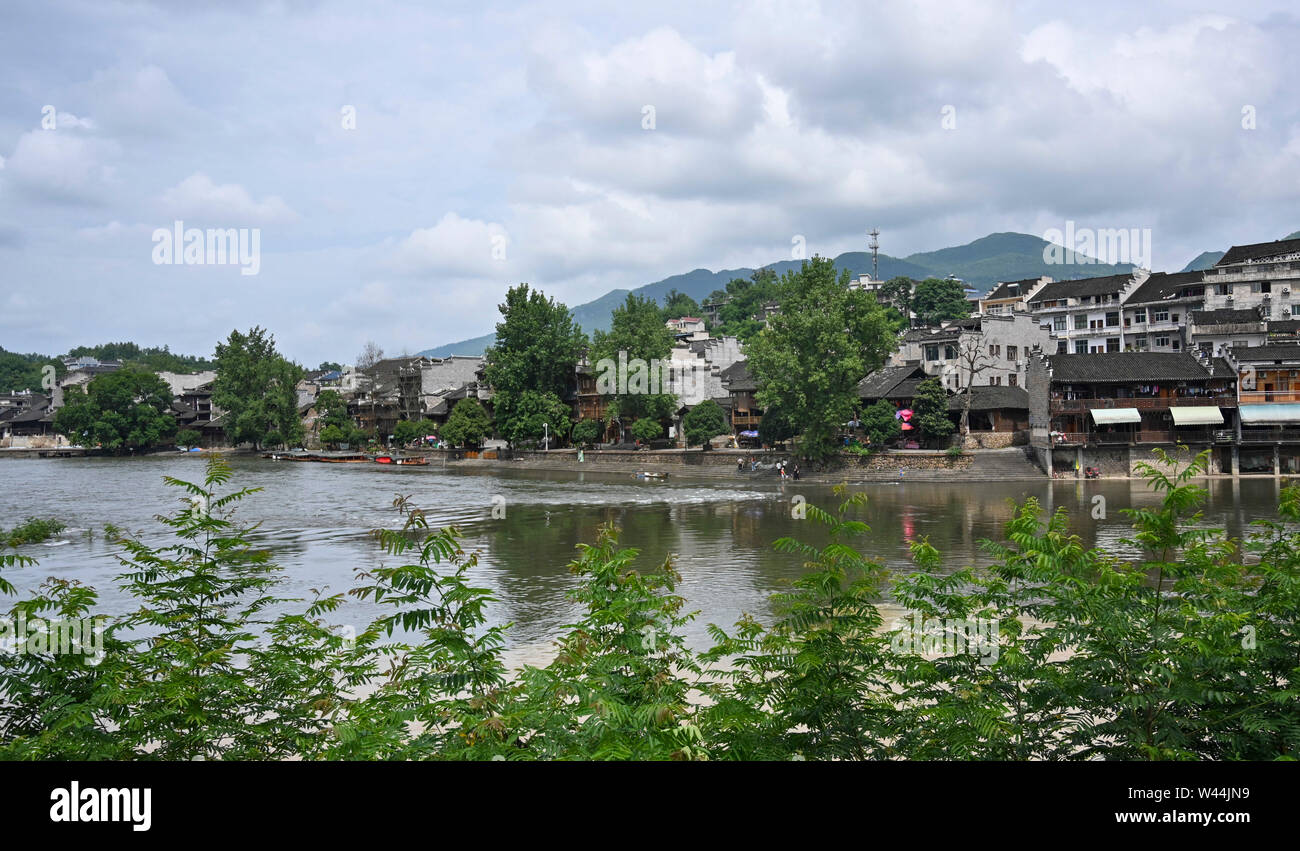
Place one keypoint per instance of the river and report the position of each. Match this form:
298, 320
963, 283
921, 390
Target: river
316, 518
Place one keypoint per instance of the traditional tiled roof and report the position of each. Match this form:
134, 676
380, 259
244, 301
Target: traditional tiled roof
737, 378
1258, 251
1082, 288
991, 398
1011, 289
1269, 352
888, 382
1127, 367
1244, 316
1162, 286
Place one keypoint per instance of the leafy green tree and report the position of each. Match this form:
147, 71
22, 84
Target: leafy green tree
930, 411
468, 424
27, 372
330, 366
704, 422
587, 432
898, 292
636, 333
646, 430
188, 437
775, 426
679, 304
811, 357
939, 299
814, 685
256, 388
120, 411
535, 416
880, 422
537, 350
152, 358
408, 430
741, 316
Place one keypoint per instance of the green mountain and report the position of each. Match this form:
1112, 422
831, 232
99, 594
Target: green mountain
1202, 261
981, 264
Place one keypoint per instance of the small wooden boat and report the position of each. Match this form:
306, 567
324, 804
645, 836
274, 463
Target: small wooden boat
415, 461
383, 459
646, 474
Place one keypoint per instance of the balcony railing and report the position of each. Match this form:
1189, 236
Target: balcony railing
746, 419
1126, 438
1258, 397
1270, 435
1154, 403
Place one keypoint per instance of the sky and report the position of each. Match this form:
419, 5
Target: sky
401, 165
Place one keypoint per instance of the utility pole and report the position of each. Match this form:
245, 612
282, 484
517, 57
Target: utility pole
874, 245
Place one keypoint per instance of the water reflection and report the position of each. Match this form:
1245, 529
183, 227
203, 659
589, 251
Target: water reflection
317, 516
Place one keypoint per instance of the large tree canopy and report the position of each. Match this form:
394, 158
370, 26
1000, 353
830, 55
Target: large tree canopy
810, 358
636, 333
741, 315
938, 299
537, 348
255, 387
122, 410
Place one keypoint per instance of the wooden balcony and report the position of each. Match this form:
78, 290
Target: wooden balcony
1263, 397
1153, 403
746, 420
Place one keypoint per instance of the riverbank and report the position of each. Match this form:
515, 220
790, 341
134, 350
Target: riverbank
730, 464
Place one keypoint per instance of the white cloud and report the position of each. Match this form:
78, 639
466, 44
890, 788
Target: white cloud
454, 246
198, 197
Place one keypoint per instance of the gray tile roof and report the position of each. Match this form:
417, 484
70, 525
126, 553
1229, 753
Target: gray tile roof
1162, 286
1127, 367
1268, 353
1082, 288
737, 378
1258, 251
991, 398
891, 382
1244, 316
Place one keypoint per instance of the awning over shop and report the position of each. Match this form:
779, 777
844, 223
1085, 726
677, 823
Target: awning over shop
1269, 414
1199, 415
1113, 416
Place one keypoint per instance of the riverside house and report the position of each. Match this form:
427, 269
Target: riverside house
1105, 410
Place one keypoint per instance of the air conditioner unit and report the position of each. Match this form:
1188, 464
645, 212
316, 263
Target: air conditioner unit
1268, 296
1286, 291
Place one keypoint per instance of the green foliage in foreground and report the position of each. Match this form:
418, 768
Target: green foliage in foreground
1190, 652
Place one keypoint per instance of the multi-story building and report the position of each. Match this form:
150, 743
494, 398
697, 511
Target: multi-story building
1155, 314
1085, 316
1213, 332
1113, 401
1011, 296
1264, 275
982, 350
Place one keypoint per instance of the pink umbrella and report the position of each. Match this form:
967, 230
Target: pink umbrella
904, 414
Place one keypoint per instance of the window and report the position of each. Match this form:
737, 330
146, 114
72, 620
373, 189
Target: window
1081, 322
1013, 380
1240, 344
932, 352
1062, 348
1223, 289
1159, 316
1081, 347
1058, 323
1267, 310
1140, 315
1112, 319
1012, 351
993, 350
1140, 343
949, 352
1112, 344
1173, 317
1178, 344
1162, 341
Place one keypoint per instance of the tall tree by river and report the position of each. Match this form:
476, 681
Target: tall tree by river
255, 388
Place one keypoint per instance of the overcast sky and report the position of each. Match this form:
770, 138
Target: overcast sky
495, 144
